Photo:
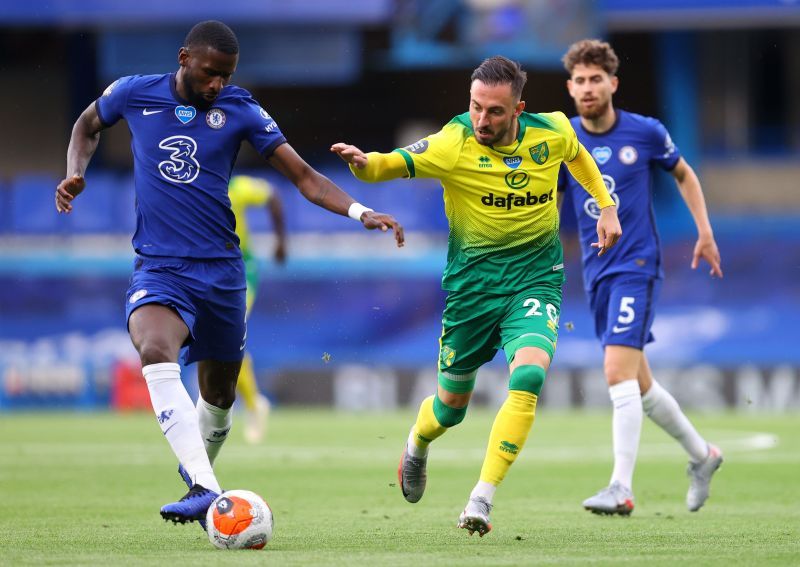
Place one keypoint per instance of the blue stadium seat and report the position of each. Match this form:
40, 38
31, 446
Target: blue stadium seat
32, 205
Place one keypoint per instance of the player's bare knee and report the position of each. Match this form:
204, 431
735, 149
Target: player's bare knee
155, 352
453, 399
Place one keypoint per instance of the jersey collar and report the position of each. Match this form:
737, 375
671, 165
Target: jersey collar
617, 119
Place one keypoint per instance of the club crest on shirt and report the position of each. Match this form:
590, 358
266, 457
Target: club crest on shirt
512, 161
417, 147
628, 155
137, 295
185, 113
601, 155
540, 153
215, 118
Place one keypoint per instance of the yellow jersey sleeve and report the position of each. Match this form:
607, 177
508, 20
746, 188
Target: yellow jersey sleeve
585, 171
436, 155
381, 167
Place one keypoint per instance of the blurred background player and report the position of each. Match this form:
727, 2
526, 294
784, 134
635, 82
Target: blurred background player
624, 284
188, 285
498, 166
248, 192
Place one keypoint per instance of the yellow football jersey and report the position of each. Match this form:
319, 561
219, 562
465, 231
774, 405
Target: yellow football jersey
500, 201
245, 192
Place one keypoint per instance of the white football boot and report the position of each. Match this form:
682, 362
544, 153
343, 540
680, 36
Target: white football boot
614, 499
700, 478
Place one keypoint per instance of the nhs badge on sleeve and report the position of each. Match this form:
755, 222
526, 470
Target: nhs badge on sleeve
185, 113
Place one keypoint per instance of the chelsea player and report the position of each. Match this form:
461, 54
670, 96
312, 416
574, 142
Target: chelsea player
188, 284
498, 166
623, 285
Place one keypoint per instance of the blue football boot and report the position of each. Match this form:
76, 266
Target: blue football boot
193, 506
188, 480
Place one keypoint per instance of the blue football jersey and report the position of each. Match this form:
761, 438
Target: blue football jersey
183, 158
626, 156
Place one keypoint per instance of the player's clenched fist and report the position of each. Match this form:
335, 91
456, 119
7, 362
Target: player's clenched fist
67, 190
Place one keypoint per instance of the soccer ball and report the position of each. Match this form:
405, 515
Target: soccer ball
239, 519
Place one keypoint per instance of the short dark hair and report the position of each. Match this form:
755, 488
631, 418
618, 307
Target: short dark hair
499, 70
213, 34
591, 52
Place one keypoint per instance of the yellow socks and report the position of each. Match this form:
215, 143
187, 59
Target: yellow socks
248, 390
509, 432
426, 429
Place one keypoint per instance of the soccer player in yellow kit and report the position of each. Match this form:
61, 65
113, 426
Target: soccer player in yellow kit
247, 192
498, 166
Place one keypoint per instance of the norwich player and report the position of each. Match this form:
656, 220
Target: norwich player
498, 166
247, 192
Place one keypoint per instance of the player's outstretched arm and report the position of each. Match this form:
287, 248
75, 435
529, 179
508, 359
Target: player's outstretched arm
373, 166
692, 193
82, 145
322, 191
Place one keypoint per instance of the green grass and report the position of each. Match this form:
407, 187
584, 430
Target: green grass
86, 489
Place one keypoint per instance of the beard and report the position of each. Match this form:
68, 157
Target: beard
596, 112
497, 135
195, 98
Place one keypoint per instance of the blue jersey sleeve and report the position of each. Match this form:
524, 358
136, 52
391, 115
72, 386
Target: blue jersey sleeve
563, 172
262, 130
665, 153
111, 105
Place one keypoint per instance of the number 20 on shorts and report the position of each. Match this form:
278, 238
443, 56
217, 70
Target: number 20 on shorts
534, 311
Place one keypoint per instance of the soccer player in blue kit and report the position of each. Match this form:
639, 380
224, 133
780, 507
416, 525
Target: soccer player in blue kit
188, 285
623, 284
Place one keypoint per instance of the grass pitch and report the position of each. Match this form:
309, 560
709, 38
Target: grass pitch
85, 489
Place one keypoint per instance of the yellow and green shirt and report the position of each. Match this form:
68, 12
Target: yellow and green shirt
500, 201
246, 192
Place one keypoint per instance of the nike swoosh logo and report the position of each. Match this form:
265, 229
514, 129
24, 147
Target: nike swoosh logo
170, 427
149, 112
620, 329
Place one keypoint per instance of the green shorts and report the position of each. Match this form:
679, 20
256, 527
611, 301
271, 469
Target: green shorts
476, 324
